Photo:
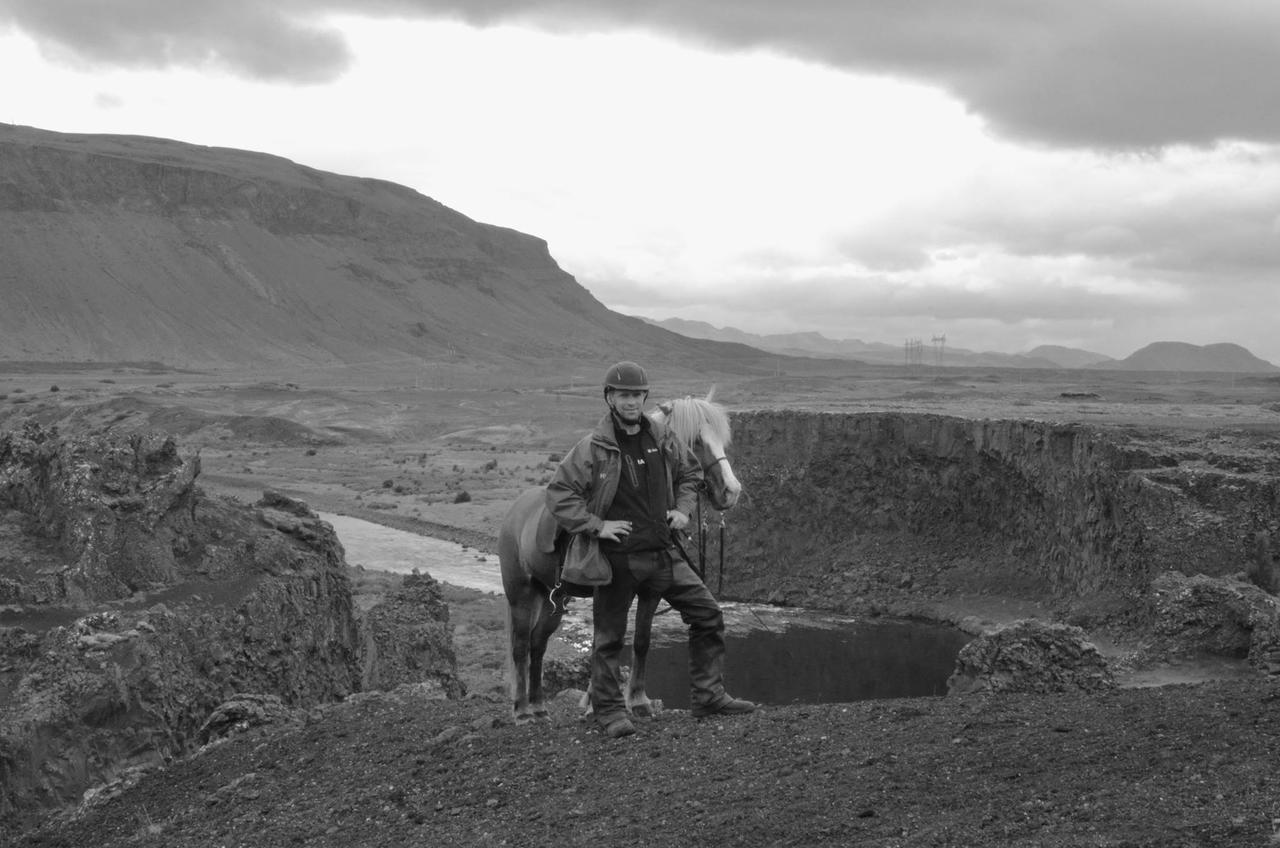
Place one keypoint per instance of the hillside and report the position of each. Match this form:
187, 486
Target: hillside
123, 248
1068, 357
1222, 358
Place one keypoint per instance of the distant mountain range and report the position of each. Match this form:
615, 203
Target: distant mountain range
1159, 356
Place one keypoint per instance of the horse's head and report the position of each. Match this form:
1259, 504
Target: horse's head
704, 427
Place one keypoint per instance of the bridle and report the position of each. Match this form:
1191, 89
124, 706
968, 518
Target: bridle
713, 463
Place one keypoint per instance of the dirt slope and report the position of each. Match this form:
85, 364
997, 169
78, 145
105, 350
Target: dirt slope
1177, 766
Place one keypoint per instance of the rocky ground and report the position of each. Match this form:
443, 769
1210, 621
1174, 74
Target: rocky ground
1170, 766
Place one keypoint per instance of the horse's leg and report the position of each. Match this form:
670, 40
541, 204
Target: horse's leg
522, 609
549, 616
637, 698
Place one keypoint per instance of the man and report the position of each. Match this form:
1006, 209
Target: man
631, 483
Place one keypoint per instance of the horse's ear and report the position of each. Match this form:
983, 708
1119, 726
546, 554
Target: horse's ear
711, 393
667, 408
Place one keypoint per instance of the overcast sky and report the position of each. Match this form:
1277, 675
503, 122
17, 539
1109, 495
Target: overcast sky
1101, 174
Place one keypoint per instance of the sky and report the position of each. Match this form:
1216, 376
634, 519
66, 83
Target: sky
1099, 174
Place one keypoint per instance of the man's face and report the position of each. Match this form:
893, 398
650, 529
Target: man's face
628, 404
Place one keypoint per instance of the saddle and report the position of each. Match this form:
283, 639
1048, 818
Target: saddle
541, 533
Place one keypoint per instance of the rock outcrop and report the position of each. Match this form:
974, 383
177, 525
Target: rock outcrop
406, 638
1030, 656
133, 605
1219, 616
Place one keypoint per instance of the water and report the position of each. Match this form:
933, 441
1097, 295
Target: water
382, 548
775, 655
831, 662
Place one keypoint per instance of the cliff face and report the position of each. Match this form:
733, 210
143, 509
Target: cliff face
131, 606
840, 504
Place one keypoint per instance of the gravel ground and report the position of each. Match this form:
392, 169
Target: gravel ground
1178, 765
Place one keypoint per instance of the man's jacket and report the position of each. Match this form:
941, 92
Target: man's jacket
586, 481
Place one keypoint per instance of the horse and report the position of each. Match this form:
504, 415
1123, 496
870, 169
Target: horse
530, 544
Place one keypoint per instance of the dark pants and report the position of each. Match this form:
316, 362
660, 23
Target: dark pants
665, 574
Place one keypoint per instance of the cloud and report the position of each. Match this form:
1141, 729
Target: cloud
1187, 211
1124, 74
107, 100
990, 288
1007, 307
1051, 246
244, 37
1120, 74
1046, 247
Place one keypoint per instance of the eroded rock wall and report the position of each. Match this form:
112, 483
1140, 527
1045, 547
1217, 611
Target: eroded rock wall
131, 606
111, 516
842, 506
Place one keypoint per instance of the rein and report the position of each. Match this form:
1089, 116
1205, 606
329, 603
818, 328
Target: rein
702, 541
702, 529
701, 567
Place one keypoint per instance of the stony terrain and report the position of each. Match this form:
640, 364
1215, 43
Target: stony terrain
135, 610
1176, 766
1188, 764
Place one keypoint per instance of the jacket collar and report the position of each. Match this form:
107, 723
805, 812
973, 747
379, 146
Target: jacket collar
604, 433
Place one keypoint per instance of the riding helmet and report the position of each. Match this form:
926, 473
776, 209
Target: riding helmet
626, 376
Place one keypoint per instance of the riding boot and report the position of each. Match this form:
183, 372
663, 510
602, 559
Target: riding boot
698, 608
610, 606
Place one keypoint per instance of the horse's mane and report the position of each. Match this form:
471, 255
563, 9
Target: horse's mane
688, 415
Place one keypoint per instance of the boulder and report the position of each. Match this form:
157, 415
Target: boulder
245, 711
563, 673
1030, 656
1219, 616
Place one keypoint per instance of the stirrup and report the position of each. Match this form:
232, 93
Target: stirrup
555, 590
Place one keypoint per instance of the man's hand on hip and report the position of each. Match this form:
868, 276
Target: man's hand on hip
614, 531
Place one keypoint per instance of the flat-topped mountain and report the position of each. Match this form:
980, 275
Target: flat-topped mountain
123, 248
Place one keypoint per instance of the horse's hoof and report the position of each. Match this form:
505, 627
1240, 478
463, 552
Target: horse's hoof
642, 711
523, 718
619, 728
